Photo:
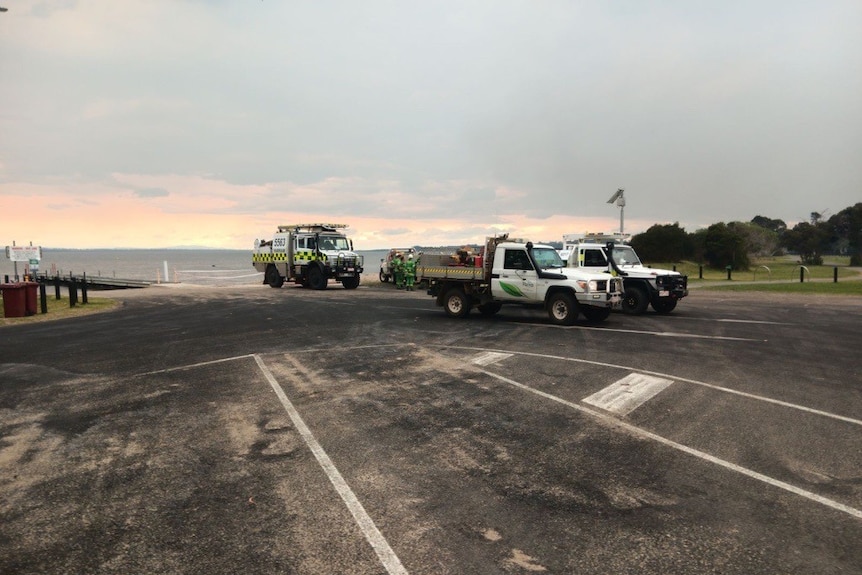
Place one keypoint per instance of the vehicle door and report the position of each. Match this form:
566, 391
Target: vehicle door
592, 258
517, 279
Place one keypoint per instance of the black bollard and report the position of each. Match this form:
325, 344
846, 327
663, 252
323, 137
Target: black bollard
801, 275
43, 298
73, 292
729, 269
6, 279
835, 275
84, 289
700, 272
56, 287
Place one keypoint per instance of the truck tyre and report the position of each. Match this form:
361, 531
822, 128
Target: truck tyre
383, 277
489, 309
562, 308
316, 279
273, 278
455, 303
350, 283
664, 305
635, 300
596, 314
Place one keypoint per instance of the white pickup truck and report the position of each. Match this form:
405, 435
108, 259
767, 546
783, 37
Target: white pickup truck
518, 272
643, 285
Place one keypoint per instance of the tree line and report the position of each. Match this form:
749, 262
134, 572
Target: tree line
736, 243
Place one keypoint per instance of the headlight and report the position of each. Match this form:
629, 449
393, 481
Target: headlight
587, 286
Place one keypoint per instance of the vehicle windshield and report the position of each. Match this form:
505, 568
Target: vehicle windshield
625, 256
333, 243
547, 258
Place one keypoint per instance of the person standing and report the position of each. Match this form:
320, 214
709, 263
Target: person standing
397, 265
409, 272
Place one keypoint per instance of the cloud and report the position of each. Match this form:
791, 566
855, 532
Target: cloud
152, 193
449, 116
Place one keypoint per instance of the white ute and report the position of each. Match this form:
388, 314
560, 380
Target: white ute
642, 285
519, 272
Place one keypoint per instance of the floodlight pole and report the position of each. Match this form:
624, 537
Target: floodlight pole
622, 204
619, 200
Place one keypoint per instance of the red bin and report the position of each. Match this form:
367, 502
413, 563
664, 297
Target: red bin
31, 297
14, 300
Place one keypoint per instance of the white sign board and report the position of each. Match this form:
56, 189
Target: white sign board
23, 253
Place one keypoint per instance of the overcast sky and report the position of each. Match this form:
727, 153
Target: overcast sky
191, 122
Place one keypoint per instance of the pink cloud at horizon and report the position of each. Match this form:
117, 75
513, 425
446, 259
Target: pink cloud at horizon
51, 218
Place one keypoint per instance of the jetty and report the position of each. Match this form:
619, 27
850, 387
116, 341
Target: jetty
93, 282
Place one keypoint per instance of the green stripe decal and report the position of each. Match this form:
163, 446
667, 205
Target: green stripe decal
511, 290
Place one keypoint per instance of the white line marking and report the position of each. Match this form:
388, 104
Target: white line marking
677, 317
490, 357
627, 394
685, 449
645, 332
191, 365
748, 321
387, 556
682, 379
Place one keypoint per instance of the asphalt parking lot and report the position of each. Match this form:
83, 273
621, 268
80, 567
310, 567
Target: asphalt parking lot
253, 430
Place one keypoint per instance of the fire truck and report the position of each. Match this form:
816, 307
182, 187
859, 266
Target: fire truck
309, 255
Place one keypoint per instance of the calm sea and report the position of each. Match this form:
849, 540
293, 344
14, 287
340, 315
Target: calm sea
190, 266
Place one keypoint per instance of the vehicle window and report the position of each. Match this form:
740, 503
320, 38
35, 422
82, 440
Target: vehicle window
594, 258
547, 258
300, 243
624, 255
517, 260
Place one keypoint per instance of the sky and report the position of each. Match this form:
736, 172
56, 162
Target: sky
164, 123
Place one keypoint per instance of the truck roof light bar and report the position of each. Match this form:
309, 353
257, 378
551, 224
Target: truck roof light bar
312, 227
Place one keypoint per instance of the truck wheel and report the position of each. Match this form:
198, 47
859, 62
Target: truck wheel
596, 314
635, 300
563, 309
664, 305
383, 277
489, 309
273, 278
316, 279
455, 303
350, 283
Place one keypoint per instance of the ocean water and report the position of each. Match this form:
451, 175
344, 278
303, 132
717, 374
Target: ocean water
189, 266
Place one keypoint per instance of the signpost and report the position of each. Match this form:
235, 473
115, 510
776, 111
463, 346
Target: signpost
30, 254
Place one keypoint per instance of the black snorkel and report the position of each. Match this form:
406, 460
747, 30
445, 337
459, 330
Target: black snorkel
539, 271
609, 248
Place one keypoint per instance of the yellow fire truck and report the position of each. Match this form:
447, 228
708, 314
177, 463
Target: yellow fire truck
308, 254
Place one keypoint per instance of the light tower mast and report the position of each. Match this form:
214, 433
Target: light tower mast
619, 200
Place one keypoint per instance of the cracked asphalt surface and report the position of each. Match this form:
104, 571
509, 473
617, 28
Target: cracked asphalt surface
253, 430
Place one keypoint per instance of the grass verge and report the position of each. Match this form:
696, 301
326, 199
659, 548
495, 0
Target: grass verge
849, 287
59, 309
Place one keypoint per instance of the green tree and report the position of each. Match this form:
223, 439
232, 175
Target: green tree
777, 226
759, 240
722, 246
663, 243
846, 226
809, 240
